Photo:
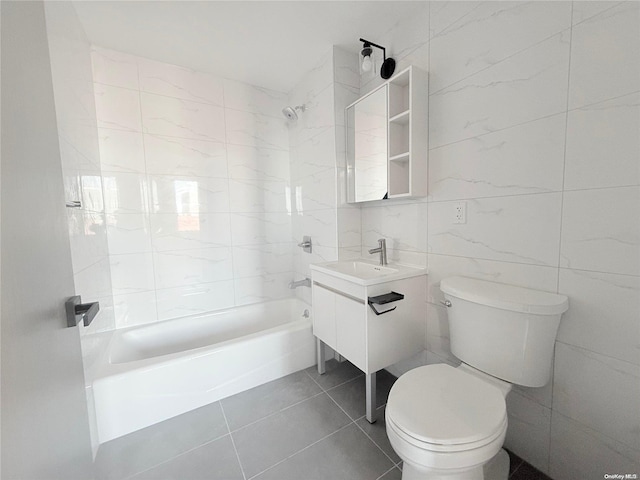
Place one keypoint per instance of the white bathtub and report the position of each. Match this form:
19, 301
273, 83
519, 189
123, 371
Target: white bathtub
154, 372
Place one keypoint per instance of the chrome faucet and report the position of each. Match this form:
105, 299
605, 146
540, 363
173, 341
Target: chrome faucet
382, 250
300, 283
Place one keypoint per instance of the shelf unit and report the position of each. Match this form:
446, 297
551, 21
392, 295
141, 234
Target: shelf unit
407, 133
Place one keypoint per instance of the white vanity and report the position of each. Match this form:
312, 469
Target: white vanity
372, 315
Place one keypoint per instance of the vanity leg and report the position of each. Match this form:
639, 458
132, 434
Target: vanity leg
320, 356
371, 397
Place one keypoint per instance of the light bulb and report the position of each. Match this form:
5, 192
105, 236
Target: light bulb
366, 63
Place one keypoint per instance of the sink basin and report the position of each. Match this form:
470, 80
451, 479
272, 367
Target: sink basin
366, 273
361, 269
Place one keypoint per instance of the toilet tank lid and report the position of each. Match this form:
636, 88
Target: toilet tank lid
505, 297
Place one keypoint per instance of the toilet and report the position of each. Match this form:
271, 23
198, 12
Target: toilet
449, 423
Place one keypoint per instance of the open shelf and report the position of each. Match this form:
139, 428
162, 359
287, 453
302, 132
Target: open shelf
399, 137
402, 118
401, 157
407, 141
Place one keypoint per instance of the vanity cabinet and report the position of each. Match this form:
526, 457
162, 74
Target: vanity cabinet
340, 322
387, 139
344, 320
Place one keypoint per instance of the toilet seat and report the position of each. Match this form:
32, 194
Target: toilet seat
450, 448
443, 409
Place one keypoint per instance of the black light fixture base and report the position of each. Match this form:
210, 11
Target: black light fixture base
389, 64
387, 69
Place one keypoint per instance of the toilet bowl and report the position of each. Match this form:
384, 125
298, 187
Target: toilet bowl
446, 423
449, 423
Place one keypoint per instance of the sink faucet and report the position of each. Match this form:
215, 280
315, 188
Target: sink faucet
382, 250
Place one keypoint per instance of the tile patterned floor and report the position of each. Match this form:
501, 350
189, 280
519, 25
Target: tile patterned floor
303, 426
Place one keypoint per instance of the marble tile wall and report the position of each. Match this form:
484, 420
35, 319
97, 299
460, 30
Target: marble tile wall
534, 114
317, 145
196, 188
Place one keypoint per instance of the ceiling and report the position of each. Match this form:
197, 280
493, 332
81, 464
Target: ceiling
271, 44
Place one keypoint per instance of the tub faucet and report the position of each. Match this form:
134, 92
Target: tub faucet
382, 250
300, 283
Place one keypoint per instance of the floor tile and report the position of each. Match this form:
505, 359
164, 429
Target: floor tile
279, 423
146, 448
263, 444
351, 395
247, 407
395, 474
378, 433
346, 455
336, 373
514, 462
527, 472
213, 461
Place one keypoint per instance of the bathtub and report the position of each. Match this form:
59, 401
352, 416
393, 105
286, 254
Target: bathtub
150, 373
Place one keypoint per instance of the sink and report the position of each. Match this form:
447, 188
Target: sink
363, 272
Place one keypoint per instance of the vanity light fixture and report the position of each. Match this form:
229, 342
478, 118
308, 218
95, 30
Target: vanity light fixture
367, 63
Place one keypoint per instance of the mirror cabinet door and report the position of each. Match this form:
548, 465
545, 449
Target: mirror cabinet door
367, 123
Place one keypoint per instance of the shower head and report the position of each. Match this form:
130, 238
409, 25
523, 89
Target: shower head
290, 112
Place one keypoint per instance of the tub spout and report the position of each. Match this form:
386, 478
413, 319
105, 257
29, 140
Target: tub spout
300, 283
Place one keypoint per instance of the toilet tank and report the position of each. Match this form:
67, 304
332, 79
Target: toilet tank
506, 331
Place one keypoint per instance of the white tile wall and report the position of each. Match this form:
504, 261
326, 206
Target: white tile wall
581, 452
313, 164
604, 56
526, 86
499, 228
184, 157
178, 82
114, 68
453, 57
518, 160
529, 429
596, 132
533, 119
194, 299
175, 117
121, 151
117, 108
601, 231
196, 187
612, 407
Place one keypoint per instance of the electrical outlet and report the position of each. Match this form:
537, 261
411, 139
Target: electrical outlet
460, 212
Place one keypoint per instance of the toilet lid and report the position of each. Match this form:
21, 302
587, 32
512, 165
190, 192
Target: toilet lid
442, 405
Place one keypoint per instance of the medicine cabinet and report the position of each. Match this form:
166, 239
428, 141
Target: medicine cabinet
387, 132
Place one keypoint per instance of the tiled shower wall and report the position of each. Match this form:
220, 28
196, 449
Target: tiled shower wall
317, 153
534, 114
196, 180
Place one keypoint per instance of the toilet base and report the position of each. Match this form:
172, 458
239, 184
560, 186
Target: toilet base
495, 469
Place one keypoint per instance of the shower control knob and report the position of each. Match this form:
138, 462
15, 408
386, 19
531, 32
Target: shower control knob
306, 244
446, 303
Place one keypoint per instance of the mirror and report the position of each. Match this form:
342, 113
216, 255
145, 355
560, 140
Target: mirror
366, 122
